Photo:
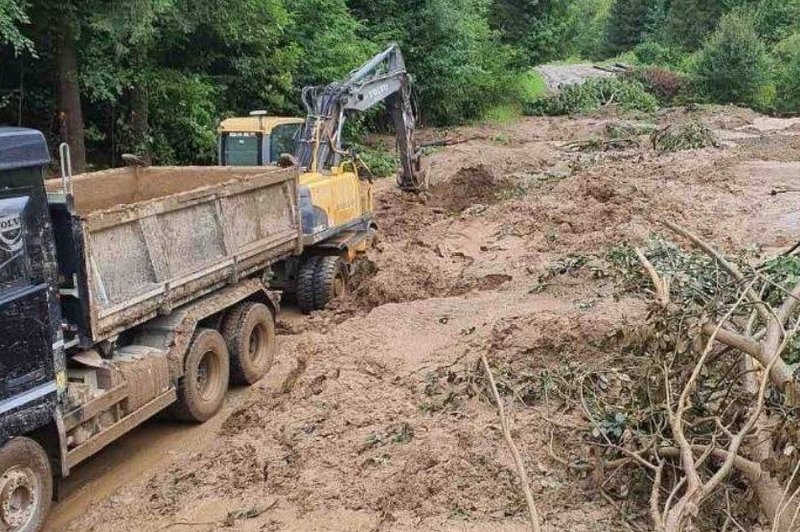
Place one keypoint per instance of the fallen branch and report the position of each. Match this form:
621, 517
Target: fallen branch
761, 307
748, 468
523, 476
661, 283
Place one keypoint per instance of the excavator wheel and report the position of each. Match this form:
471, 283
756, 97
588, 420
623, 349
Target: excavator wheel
330, 281
305, 288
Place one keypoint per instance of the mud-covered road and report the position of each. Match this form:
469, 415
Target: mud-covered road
375, 416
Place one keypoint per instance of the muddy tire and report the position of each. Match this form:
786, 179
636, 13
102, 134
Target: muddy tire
202, 388
26, 486
330, 281
306, 276
249, 332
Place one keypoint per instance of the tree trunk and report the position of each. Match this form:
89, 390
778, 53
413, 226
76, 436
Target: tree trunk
140, 121
70, 113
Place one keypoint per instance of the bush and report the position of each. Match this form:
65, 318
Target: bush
787, 98
594, 94
653, 53
380, 161
184, 115
776, 20
734, 66
666, 85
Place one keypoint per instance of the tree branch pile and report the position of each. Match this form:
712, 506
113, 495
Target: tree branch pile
718, 425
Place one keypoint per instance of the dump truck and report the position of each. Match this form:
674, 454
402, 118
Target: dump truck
124, 293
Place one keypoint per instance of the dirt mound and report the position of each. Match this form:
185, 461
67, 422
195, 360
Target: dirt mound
474, 185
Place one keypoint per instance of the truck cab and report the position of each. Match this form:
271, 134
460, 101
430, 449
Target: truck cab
32, 376
258, 139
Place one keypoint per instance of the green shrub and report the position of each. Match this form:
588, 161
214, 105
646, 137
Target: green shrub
594, 94
653, 53
666, 85
183, 115
776, 20
787, 99
380, 161
734, 66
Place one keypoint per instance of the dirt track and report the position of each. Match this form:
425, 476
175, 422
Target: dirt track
375, 416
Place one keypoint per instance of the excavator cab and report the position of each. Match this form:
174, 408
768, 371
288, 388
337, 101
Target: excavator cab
258, 139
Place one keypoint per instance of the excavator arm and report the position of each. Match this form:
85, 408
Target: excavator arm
381, 79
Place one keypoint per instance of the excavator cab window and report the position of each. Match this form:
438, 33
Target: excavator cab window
283, 140
242, 149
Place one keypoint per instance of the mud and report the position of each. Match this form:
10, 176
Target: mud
98, 191
376, 415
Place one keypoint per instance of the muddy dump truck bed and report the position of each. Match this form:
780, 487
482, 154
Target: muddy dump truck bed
133, 243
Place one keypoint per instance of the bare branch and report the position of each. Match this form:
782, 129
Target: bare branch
534, 514
748, 468
661, 283
781, 373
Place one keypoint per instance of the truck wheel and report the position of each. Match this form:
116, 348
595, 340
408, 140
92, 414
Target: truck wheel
202, 388
26, 485
330, 281
306, 276
249, 332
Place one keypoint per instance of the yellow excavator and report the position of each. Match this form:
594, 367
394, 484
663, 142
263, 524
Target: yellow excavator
336, 204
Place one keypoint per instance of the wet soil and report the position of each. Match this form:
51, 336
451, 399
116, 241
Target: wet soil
376, 416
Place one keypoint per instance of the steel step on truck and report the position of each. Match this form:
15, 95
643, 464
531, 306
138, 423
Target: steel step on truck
124, 293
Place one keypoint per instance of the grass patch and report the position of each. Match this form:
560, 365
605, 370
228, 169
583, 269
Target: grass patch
530, 87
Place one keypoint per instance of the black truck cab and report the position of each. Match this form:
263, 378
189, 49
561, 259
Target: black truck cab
31, 343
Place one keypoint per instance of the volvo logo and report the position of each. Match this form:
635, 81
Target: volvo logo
11, 233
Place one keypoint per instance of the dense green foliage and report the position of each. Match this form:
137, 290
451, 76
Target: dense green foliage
788, 75
12, 15
631, 22
155, 76
733, 66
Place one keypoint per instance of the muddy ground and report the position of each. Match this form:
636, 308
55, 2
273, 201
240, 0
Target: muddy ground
376, 415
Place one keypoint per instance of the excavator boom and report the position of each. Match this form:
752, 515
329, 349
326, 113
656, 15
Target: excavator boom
381, 79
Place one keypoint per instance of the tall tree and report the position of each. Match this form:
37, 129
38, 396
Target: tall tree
70, 112
689, 22
541, 29
12, 16
631, 22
